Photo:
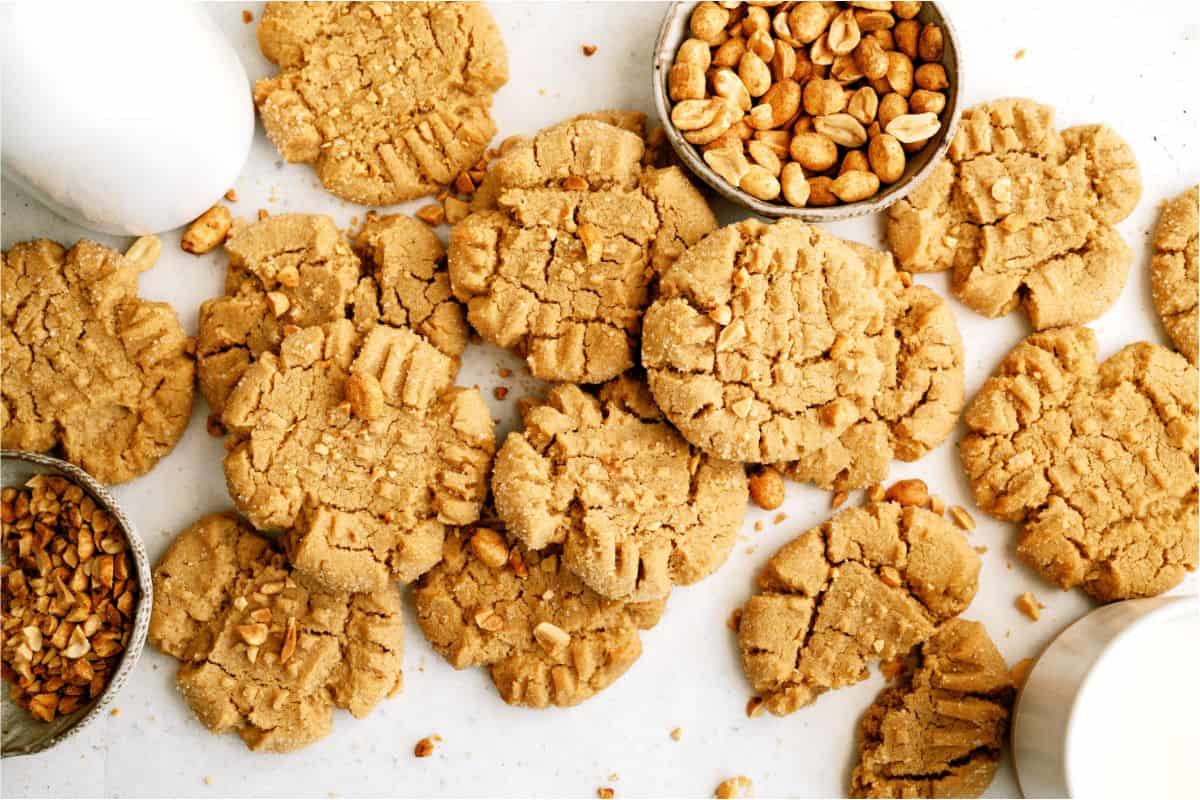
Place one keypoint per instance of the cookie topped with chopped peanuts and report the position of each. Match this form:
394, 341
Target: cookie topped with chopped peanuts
297, 270
262, 652
1024, 214
940, 731
634, 507
558, 263
546, 638
388, 101
89, 368
1175, 270
1096, 460
361, 448
783, 343
866, 586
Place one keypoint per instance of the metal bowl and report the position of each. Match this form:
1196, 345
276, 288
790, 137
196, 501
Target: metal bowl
24, 735
672, 34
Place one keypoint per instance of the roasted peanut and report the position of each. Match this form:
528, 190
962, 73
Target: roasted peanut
756, 20
783, 99
930, 44
843, 34
910, 492
907, 35
778, 141
807, 21
886, 157
730, 53
207, 231
931, 77
854, 160
793, 184
870, 20
694, 51
685, 81
763, 155
844, 69
855, 185
900, 73
767, 489
820, 52
754, 73
891, 105
820, 192
814, 151
760, 183
824, 96
726, 83
863, 105
843, 129
871, 58
691, 115
906, 10
708, 21
923, 101
729, 162
910, 128
761, 45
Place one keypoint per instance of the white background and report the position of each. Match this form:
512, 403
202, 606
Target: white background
1117, 62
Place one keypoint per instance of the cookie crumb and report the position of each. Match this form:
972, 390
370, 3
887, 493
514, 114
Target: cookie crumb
1020, 671
981, 549
116, 712
500, 392
767, 489
605, 793
677, 734
505, 372
758, 526
424, 748
263, 214
961, 518
1028, 605
875, 492
247, 17
779, 518
739, 786
735, 620
1019, 54
754, 707
208, 780
589, 50
937, 505
432, 214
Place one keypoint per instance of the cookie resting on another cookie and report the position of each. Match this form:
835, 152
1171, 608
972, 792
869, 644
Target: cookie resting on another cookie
88, 365
781, 342
261, 653
1175, 271
389, 101
560, 268
298, 270
940, 731
867, 585
1023, 213
546, 638
360, 445
635, 508
1097, 461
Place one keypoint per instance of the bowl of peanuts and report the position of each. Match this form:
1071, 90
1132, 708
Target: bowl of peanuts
815, 110
77, 600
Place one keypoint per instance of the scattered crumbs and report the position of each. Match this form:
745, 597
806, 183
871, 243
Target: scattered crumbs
1019, 54
432, 214
116, 712
247, 17
614, 777
739, 786
892, 668
589, 50
780, 517
981, 549
208, 780
735, 620
263, 213
1020, 671
496, 420
505, 372
424, 748
500, 392
677, 734
758, 526
1028, 605
231, 195
754, 707
605, 793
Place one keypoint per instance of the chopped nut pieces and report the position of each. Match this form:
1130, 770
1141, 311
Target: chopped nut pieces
961, 518
803, 80
208, 230
677, 734
550, 636
1028, 605
766, 488
589, 50
424, 748
605, 793
144, 252
911, 492
69, 596
739, 786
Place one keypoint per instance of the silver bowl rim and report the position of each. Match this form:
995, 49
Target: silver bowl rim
664, 53
145, 603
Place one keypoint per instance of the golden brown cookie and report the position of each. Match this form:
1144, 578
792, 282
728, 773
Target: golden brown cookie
867, 585
363, 447
546, 638
262, 653
1174, 274
560, 268
1096, 461
298, 270
1023, 213
782, 342
635, 508
940, 731
389, 101
88, 366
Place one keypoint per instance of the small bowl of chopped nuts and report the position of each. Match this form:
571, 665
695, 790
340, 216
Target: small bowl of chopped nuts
77, 598
821, 111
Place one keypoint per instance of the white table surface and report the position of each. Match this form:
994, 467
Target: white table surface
1116, 62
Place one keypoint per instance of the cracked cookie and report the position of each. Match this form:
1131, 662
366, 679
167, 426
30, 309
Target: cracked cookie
1174, 274
362, 446
635, 508
389, 101
263, 654
546, 638
1096, 461
560, 268
1023, 214
781, 342
867, 585
298, 270
90, 367
940, 731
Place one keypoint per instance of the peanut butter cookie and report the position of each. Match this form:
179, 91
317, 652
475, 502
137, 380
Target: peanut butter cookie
1096, 461
1023, 213
262, 653
298, 270
1174, 274
559, 269
90, 367
940, 731
867, 585
781, 342
546, 638
389, 101
635, 508
360, 445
